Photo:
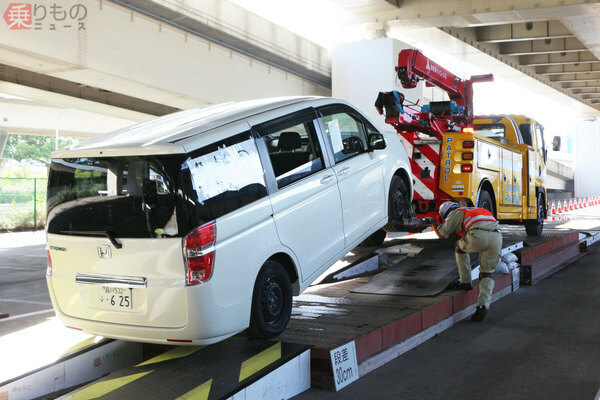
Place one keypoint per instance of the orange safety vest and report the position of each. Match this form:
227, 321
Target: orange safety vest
473, 215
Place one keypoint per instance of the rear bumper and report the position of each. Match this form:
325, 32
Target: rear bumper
205, 324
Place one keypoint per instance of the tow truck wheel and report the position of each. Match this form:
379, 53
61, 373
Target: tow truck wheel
535, 227
271, 301
398, 204
485, 201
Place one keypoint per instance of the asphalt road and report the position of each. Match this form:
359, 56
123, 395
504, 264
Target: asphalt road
23, 291
540, 342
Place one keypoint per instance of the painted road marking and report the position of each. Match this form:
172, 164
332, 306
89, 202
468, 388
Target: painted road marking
43, 303
260, 361
102, 388
177, 352
28, 314
199, 393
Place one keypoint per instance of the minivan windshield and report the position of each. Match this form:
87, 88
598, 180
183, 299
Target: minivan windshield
153, 196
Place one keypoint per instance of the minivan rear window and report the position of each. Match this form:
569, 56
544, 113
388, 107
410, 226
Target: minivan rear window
153, 196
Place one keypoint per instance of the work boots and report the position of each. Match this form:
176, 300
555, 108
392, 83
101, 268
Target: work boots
479, 314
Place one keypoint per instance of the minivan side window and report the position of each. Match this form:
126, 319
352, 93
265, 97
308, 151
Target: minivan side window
294, 152
345, 134
224, 176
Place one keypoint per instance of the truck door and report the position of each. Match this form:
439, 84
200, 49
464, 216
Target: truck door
506, 177
517, 171
531, 199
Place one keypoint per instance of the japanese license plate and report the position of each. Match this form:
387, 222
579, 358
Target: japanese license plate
115, 298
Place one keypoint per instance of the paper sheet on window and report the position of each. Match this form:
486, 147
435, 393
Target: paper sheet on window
227, 169
336, 136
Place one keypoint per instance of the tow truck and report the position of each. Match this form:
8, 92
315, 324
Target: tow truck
497, 162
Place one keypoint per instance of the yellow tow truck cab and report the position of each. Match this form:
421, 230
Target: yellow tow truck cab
498, 164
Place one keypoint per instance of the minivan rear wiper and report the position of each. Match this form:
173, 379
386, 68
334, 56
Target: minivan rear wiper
109, 234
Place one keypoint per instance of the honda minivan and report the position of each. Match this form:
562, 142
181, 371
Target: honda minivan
200, 224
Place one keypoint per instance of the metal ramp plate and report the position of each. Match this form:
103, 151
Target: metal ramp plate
427, 275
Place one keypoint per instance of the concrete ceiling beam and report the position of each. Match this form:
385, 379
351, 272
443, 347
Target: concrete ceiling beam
568, 68
547, 46
471, 13
522, 32
581, 84
534, 60
585, 90
594, 76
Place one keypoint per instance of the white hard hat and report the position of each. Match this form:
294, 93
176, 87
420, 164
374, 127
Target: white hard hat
446, 207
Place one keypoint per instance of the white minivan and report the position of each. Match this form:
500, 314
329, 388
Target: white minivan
197, 225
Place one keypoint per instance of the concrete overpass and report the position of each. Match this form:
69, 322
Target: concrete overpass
129, 60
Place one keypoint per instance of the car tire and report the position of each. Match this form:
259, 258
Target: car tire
534, 227
486, 201
398, 204
271, 301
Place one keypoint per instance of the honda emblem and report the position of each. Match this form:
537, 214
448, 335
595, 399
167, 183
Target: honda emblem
104, 251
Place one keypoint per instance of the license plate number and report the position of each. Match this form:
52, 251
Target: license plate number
115, 298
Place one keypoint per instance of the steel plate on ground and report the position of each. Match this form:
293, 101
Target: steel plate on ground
422, 276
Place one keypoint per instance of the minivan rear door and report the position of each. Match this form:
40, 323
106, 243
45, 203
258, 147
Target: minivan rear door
304, 193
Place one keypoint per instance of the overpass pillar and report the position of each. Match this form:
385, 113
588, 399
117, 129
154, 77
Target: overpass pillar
3, 140
587, 162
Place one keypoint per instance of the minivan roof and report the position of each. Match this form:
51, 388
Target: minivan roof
161, 134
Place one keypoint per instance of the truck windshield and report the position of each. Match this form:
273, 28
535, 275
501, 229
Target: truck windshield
494, 131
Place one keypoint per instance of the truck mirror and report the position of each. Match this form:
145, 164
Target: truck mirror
556, 143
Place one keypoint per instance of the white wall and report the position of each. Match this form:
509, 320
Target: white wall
587, 158
360, 70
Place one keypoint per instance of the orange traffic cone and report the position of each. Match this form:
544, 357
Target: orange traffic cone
571, 205
559, 209
566, 206
552, 209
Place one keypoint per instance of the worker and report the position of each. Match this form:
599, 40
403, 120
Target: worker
479, 233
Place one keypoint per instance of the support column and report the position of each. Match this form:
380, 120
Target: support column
3, 140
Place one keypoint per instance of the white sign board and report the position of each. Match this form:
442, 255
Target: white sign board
345, 367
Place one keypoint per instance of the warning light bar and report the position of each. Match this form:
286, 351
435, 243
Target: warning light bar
468, 129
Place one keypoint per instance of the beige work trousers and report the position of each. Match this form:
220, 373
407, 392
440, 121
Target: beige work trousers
488, 244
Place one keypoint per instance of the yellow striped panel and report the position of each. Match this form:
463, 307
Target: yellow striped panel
200, 393
102, 388
259, 361
177, 352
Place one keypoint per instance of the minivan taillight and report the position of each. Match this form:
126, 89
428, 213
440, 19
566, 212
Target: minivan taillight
199, 252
